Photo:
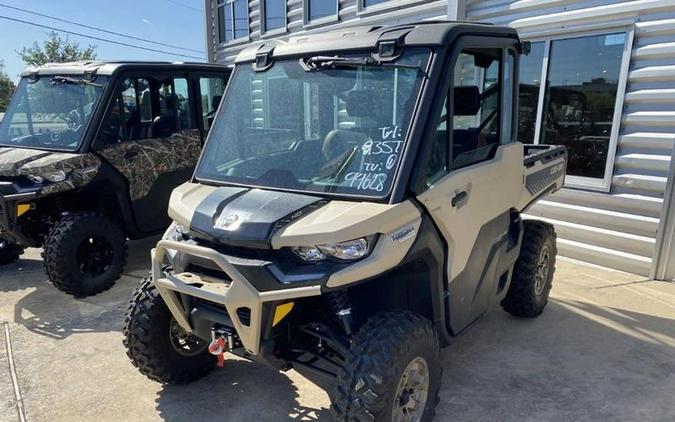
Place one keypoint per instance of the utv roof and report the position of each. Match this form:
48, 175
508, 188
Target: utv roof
110, 67
425, 33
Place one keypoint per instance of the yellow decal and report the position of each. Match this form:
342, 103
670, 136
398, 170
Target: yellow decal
281, 311
22, 209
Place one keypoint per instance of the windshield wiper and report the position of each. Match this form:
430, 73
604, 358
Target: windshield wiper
58, 80
317, 63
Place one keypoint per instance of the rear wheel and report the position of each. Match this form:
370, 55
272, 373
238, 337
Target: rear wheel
533, 272
9, 252
84, 254
158, 346
393, 372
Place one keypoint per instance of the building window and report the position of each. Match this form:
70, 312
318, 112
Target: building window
579, 104
273, 15
320, 9
367, 3
233, 20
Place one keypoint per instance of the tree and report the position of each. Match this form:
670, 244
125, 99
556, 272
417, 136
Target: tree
56, 50
6, 88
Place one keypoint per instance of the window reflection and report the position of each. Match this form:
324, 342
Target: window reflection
580, 97
530, 82
317, 9
275, 14
233, 17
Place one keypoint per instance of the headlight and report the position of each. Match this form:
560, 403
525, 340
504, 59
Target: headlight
53, 176
350, 250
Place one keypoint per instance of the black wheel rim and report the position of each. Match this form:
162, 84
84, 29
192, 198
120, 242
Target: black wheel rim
184, 343
94, 256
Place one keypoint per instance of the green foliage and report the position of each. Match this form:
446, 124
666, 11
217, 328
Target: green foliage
6, 88
56, 50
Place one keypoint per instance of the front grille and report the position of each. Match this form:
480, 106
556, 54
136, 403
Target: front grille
246, 253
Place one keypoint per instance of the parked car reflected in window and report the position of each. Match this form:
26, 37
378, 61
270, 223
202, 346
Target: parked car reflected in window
580, 99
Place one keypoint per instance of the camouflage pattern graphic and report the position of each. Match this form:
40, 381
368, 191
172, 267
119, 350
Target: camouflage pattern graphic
79, 169
153, 158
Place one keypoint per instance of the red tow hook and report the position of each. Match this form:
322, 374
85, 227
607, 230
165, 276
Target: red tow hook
217, 348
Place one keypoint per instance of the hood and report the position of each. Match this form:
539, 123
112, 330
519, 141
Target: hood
239, 217
22, 161
78, 168
263, 219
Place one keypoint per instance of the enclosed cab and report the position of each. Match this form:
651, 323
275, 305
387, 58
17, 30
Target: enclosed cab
356, 206
89, 154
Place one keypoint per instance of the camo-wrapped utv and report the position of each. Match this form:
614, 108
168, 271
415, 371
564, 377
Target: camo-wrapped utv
89, 153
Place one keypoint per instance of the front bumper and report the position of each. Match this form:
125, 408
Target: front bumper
9, 227
234, 291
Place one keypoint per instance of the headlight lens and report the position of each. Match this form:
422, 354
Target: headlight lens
350, 250
55, 176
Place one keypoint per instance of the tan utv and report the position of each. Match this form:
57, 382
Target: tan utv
356, 207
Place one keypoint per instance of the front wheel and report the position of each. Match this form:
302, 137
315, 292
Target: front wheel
9, 252
158, 346
84, 253
533, 272
393, 371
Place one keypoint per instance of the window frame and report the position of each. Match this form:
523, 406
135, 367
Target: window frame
221, 23
196, 83
311, 23
603, 184
263, 21
386, 6
423, 182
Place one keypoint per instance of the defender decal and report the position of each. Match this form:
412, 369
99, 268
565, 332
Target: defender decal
403, 235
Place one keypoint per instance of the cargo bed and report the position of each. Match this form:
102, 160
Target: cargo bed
545, 167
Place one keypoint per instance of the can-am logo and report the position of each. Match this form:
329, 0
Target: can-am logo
228, 222
403, 235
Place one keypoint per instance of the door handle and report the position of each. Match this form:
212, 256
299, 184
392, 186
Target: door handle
130, 154
459, 198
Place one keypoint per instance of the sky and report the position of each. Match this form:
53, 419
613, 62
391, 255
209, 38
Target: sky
175, 22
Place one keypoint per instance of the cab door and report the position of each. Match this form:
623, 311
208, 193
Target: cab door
151, 136
475, 179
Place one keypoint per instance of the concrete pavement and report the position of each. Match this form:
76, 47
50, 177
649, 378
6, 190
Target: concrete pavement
603, 350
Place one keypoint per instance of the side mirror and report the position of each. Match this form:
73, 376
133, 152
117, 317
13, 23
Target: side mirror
524, 48
467, 101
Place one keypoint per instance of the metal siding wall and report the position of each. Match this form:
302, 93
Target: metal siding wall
348, 13
616, 229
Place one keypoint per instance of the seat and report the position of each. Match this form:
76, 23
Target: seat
162, 126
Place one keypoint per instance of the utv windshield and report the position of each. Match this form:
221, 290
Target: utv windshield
50, 113
320, 124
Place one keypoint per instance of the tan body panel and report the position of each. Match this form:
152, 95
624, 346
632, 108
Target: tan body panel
492, 187
185, 199
340, 220
553, 169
